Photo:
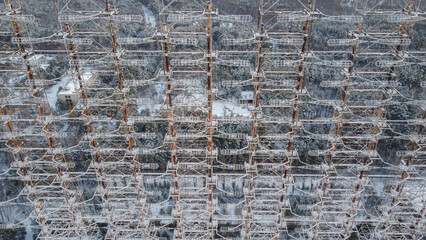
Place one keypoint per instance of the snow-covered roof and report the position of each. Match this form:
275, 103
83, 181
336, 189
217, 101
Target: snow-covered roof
70, 88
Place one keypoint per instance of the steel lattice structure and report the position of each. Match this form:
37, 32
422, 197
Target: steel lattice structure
307, 156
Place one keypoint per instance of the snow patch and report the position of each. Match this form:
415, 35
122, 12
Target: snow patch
221, 108
29, 233
149, 16
17, 79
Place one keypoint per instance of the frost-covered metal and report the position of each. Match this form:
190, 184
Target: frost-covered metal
285, 162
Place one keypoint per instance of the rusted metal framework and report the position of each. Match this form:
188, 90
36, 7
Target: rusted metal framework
207, 125
190, 122
116, 162
33, 139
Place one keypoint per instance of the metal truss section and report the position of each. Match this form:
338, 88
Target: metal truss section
198, 123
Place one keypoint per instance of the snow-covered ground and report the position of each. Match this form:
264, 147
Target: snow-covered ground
29, 233
222, 108
16, 78
149, 16
36, 60
40, 60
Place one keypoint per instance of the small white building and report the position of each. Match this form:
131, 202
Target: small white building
69, 95
247, 95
